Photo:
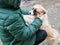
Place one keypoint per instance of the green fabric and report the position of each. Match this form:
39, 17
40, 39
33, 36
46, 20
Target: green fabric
13, 30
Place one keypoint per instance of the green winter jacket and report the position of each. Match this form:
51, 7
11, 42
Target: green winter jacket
13, 29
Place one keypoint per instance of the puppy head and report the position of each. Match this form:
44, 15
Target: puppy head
38, 10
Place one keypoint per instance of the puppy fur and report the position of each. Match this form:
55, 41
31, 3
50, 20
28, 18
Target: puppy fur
53, 35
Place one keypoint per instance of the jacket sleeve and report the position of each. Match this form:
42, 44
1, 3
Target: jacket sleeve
25, 11
22, 32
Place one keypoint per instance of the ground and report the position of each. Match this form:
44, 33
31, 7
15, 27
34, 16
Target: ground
53, 8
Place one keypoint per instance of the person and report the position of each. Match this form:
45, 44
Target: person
13, 29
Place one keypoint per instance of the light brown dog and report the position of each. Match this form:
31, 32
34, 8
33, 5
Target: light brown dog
53, 35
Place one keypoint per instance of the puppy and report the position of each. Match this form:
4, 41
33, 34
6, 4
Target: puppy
53, 35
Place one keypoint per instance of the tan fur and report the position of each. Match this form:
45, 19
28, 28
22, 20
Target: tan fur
53, 35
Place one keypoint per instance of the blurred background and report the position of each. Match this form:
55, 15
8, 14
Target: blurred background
53, 8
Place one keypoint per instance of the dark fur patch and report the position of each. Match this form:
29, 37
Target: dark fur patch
35, 12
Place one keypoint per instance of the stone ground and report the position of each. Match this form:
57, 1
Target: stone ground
53, 8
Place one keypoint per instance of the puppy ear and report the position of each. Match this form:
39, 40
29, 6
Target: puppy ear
44, 12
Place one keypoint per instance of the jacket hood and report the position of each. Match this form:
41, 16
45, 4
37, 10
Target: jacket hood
10, 3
